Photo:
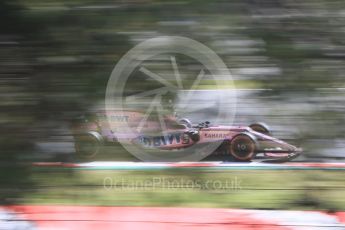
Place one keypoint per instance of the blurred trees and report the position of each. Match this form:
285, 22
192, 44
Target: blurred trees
56, 56
18, 104
305, 39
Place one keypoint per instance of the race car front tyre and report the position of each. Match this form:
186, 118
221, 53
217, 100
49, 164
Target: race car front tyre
88, 145
242, 147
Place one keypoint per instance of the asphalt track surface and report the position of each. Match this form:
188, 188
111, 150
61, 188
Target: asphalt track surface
107, 165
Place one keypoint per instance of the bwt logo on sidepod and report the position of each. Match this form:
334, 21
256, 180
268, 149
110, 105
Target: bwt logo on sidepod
164, 140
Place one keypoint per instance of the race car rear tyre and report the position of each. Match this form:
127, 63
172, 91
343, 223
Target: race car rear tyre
242, 147
88, 145
261, 128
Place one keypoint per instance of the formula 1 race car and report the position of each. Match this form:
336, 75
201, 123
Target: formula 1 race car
240, 143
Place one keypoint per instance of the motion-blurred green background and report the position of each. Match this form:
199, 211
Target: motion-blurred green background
57, 56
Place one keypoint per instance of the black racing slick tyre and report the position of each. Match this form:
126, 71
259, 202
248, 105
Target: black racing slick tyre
243, 147
88, 145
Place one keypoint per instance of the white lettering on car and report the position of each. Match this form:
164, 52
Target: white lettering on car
169, 139
216, 135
